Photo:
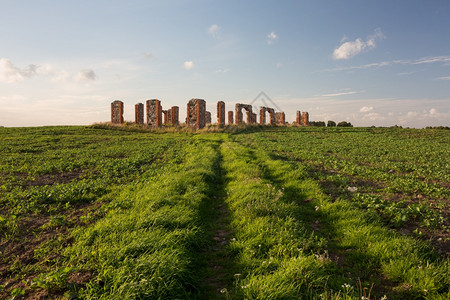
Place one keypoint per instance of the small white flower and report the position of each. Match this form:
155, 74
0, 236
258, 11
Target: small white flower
317, 207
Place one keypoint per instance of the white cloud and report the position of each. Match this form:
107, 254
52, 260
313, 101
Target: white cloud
188, 65
339, 94
222, 70
147, 55
352, 48
10, 73
271, 37
214, 30
444, 78
366, 108
85, 75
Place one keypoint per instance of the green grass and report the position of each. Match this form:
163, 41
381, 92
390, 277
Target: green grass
265, 213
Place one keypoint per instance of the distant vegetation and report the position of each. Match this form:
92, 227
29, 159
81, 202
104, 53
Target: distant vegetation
104, 212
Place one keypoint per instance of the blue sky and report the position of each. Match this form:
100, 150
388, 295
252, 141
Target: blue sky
368, 62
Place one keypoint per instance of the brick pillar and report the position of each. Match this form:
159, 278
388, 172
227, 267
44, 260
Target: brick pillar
253, 118
154, 113
166, 117
221, 113
282, 118
174, 115
230, 118
117, 112
262, 115
139, 113
238, 111
305, 118
207, 117
196, 111
298, 119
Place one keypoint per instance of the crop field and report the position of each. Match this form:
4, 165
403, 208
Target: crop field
103, 212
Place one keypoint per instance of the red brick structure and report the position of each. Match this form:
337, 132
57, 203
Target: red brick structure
239, 117
174, 115
207, 117
154, 113
221, 113
298, 119
230, 118
305, 119
196, 111
280, 118
139, 113
262, 115
165, 114
117, 112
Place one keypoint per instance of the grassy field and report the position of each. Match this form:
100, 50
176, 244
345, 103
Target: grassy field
257, 213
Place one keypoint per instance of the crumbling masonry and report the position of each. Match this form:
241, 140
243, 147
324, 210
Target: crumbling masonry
117, 112
280, 118
154, 113
230, 118
221, 113
139, 113
174, 115
305, 119
262, 115
208, 117
196, 111
239, 117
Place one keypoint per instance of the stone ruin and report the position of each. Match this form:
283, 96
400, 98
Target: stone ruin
262, 115
139, 114
196, 111
207, 117
174, 115
280, 118
117, 112
154, 113
230, 118
221, 113
198, 117
304, 119
250, 115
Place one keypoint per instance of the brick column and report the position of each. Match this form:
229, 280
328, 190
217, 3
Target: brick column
117, 112
174, 115
230, 118
154, 113
139, 113
196, 111
298, 119
221, 113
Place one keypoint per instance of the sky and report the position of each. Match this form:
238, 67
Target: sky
380, 63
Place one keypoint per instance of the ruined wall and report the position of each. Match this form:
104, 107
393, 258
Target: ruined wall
174, 115
298, 119
196, 111
239, 116
305, 119
262, 115
280, 118
154, 113
221, 113
230, 118
166, 117
207, 117
139, 113
117, 112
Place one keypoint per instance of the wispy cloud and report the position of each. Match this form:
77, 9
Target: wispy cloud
351, 48
188, 65
366, 108
424, 60
226, 70
86, 75
9, 73
271, 37
213, 30
443, 78
339, 94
